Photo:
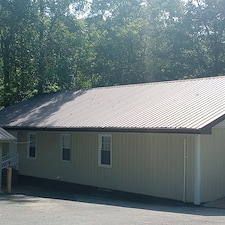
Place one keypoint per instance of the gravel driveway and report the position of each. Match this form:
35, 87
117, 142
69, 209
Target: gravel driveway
39, 206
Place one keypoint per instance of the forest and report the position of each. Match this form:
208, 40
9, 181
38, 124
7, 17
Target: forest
53, 45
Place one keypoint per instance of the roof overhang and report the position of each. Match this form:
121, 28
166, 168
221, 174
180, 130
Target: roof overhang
208, 128
6, 137
114, 129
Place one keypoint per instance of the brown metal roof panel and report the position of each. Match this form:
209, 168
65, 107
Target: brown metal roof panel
186, 104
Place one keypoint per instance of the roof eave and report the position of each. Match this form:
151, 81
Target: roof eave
7, 140
208, 128
111, 129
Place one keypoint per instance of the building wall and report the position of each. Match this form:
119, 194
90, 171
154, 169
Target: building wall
5, 148
151, 164
213, 165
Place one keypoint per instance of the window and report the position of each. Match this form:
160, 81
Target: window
32, 147
105, 150
66, 146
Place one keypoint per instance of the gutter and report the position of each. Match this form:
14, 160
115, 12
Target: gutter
112, 129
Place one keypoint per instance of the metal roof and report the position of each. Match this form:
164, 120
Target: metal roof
5, 136
186, 106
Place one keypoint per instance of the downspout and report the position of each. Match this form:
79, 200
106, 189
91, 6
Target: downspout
197, 171
185, 169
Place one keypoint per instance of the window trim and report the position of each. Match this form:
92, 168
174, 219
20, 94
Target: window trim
28, 147
70, 147
100, 149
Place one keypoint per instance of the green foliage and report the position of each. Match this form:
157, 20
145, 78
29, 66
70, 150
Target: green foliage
45, 45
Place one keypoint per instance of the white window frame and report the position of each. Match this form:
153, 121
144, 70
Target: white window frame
28, 147
62, 147
100, 150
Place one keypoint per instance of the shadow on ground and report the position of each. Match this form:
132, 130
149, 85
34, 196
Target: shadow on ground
28, 194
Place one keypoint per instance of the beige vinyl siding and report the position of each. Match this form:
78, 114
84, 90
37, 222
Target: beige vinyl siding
5, 148
151, 164
213, 165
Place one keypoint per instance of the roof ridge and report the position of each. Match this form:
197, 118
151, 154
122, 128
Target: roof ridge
157, 82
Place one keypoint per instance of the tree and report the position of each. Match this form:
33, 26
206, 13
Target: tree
164, 39
46, 45
16, 54
34, 57
53, 15
205, 26
119, 50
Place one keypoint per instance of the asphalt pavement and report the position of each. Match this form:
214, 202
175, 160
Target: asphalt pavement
31, 205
